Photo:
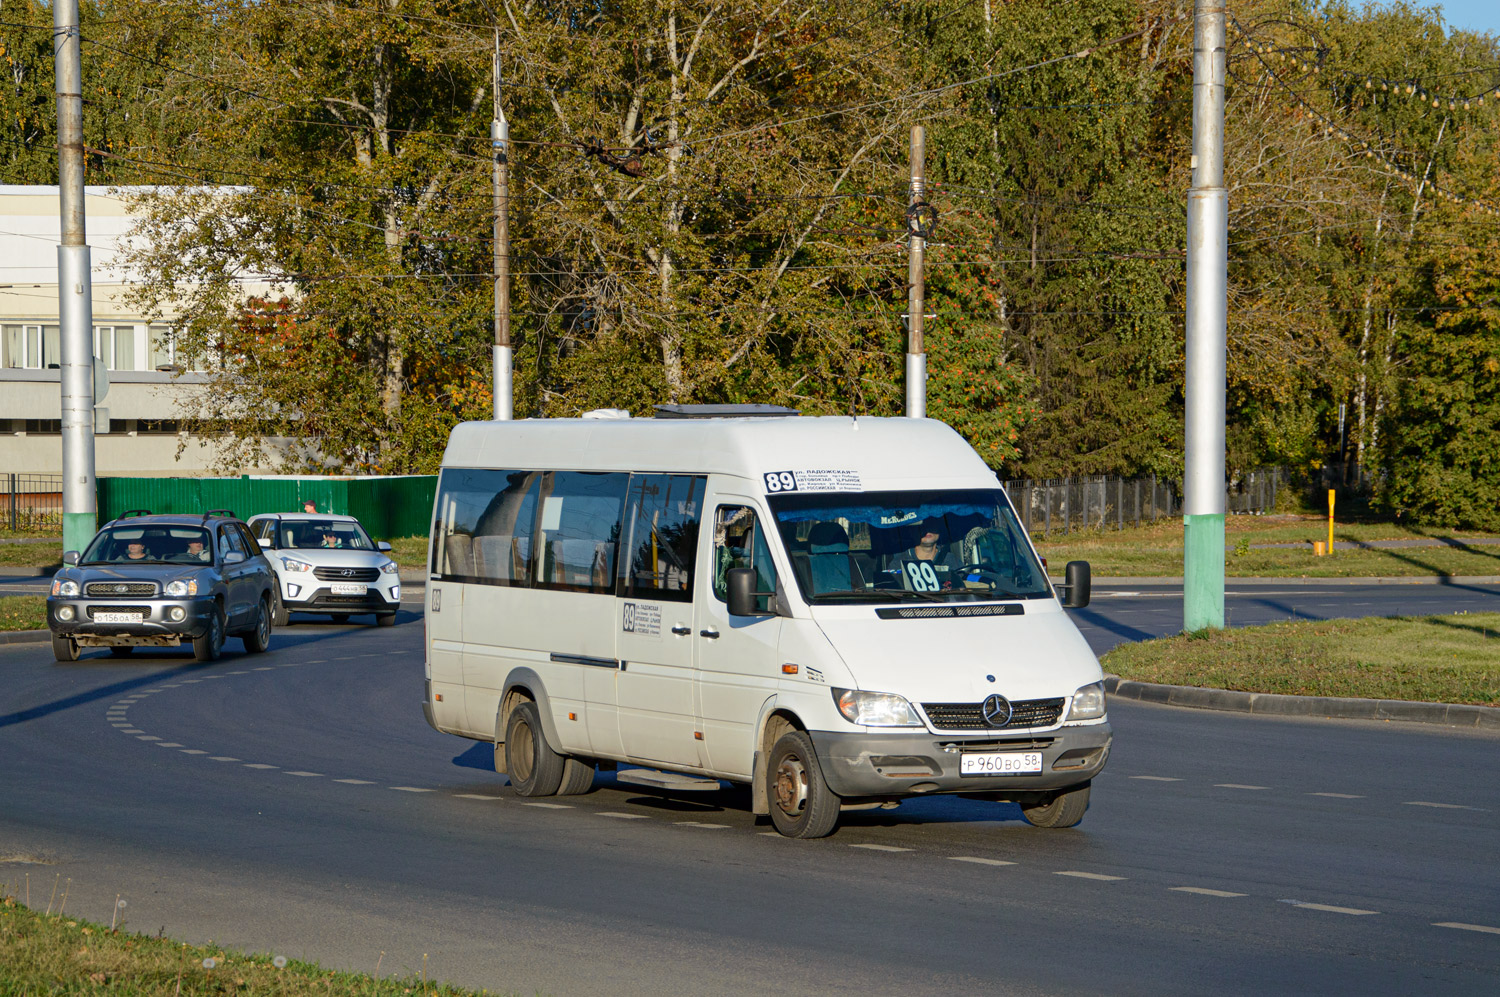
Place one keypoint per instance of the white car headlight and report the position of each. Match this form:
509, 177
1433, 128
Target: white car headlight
64, 588
390, 568
1088, 703
292, 564
180, 588
875, 709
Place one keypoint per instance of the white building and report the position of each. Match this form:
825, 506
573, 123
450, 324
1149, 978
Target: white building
146, 386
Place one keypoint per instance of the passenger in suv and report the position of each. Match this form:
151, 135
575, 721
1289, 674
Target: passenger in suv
160, 581
328, 564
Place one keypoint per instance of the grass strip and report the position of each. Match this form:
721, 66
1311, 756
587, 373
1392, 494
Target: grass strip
23, 612
53, 954
1436, 659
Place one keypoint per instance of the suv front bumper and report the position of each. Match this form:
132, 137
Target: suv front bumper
156, 628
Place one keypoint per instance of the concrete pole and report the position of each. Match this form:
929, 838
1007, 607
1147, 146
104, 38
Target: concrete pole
75, 294
916, 359
502, 387
1207, 319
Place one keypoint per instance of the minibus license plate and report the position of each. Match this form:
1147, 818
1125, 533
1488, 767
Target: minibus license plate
1000, 763
117, 617
348, 588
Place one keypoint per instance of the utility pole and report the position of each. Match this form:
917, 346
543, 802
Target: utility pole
1207, 319
499, 142
916, 360
75, 292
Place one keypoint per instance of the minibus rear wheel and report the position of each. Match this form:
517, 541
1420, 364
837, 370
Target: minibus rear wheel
534, 768
802, 805
1065, 809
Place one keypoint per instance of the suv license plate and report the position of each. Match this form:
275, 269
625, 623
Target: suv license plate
117, 617
1000, 763
347, 588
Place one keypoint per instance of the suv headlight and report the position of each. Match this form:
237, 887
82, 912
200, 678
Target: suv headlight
180, 588
1088, 703
875, 709
390, 568
64, 588
292, 564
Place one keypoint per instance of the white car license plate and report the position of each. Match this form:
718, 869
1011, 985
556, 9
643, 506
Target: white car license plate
117, 617
1000, 763
347, 588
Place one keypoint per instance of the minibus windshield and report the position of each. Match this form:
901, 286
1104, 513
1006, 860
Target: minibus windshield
941, 546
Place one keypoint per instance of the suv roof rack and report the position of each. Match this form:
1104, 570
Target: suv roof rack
722, 411
212, 513
132, 513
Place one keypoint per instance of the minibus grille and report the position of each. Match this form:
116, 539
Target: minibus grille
119, 589
970, 716
346, 574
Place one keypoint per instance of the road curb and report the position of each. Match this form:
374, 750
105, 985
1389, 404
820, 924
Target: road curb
29, 570
25, 636
1275, 704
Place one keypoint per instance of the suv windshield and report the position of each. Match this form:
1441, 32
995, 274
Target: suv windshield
325, 533
149, 544
907, 546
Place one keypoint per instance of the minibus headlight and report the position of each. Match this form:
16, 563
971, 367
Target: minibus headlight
64, 588
875, 709
292, 564
1088, 703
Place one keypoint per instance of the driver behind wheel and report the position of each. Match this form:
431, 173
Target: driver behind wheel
929, 566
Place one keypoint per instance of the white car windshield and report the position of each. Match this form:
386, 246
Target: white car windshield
311, 534
940, 546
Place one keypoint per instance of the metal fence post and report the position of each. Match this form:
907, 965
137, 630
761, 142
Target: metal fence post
12, 503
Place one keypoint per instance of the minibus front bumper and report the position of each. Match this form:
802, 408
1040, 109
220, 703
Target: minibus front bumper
883, 765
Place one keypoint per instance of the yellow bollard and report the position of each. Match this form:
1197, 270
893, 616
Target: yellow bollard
1317, 548
1330, 520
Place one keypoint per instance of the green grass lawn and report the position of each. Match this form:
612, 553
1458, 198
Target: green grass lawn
23, 612
1439, 659
55, 954
410, 552
1156, 550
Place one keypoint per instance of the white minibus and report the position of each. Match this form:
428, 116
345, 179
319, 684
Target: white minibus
839, 612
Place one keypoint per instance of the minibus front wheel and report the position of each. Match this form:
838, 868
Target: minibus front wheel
1062, 809
534, 768
802, 805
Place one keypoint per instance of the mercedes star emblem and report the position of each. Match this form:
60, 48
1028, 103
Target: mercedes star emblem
996, 711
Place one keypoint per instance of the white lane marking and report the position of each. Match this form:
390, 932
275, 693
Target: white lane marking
1330, 908
172, 686
611, 813
260, 765
472, 796
977, 860
169, 744
308, 775
770, 834
1338, 796
1236, 785
355, 782
222, 758
1440, 806
1466, 927
317, 661
695, 823
207, 677
194, 751
263, 668
552, 806
190, 681
1089, 875
1203, 891
129, 729
121, 726
148, 737
240, 672
410, 789
882, 848
1156, 778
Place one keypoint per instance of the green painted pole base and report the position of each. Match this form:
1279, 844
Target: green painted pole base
1203, 572
78, 529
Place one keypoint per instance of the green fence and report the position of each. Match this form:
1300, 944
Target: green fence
388, 507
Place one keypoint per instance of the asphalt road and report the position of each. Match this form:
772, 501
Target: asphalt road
295, 802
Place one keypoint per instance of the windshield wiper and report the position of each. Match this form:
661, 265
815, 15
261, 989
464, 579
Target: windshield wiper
880, 595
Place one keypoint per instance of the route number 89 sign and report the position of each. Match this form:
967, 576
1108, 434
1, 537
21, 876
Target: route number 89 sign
780, 481
818, 480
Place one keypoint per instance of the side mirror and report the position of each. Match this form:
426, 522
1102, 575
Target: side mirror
382, 546
1077, 585
234, 557
742, 594
70, 557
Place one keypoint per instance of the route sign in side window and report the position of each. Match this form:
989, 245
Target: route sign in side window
485, 522
663, 513
739, 542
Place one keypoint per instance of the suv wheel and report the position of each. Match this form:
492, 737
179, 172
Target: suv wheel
258, 638
64, 648
207, 647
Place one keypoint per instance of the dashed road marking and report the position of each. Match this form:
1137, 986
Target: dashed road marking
697, 823
147, 737
410, 789
355, 782
260, 765
1338, 796
978, 860
552, 806
1236, 785
307, 775
1330, 908
168, 744
461, 796
1089, 875
612, 813
131, 730
240, 672
1439, 806
264, 668
1156, 778
194, 751
122, 727
1204, 891
1466, 927
222, 758
881, 848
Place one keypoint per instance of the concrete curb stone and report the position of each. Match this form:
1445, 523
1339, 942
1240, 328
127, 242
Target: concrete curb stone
25, 636
1275, 704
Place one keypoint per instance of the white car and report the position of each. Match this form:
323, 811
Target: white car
327, 564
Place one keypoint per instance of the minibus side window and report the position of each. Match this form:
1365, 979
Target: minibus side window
739, 542
485, 521
663, 536
580, 529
